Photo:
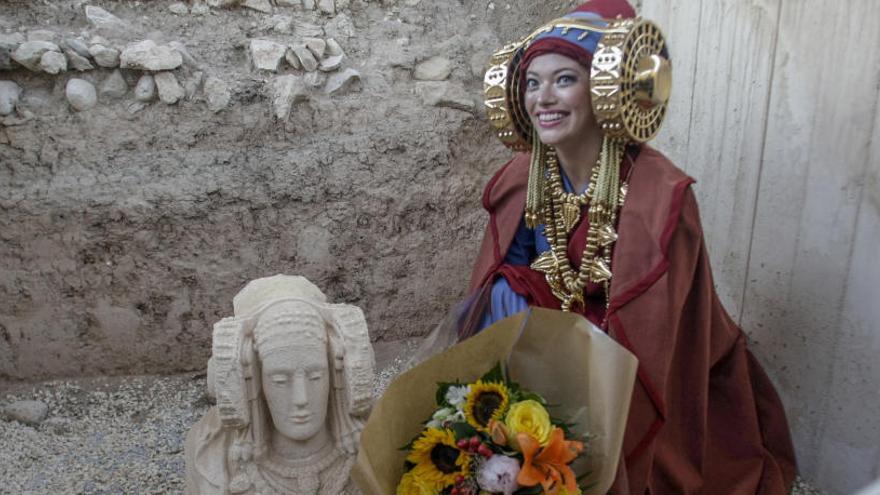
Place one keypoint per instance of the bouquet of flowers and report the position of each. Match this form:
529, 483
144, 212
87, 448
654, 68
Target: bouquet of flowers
490, 436
516, 428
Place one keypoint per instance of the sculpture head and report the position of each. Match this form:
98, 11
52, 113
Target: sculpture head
290, 364
293, 350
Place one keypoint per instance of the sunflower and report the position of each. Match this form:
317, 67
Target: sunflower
487, 401
438, 461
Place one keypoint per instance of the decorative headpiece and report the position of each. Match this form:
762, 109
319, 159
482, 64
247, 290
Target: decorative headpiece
630, 79
630, 73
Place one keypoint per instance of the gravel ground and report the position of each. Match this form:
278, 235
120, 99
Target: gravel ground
124, 435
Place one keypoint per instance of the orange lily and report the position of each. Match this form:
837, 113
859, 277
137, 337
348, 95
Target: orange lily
550, 466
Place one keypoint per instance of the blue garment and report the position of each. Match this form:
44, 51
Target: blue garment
524, 248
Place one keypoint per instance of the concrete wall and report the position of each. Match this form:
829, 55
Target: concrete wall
775, 113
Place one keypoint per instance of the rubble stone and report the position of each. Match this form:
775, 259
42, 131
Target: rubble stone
145, 89
292, 59
330, 64
169, 89
81, 94
8, 44
199, 9
10, 93
316, 45
306, 58
147, 55
104, 56
327, 6
29, 412
217, 94
105, 21
333, 47
188, 59
76, 61
287, 90
433, 69
53, 63
29, 53
267, 55
445, 94
114, 86
342, 82
77, 46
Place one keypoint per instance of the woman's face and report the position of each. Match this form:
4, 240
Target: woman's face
557, 97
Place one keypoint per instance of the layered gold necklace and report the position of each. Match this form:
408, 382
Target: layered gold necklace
561, 212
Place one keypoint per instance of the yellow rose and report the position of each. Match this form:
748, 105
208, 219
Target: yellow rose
529, 417
411, 484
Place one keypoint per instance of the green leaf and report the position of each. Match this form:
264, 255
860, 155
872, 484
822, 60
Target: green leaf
463, 430
496, 374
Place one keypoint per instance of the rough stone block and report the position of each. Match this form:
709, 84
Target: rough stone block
287, 90
170, 91
30, 53
267, 55
147, 55
433, 69
53, 63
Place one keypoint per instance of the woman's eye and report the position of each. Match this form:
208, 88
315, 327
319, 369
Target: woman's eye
316, 375
279, 379
531, 84
566, 79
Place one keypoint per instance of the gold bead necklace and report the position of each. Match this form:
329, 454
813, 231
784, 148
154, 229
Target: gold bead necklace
604, 196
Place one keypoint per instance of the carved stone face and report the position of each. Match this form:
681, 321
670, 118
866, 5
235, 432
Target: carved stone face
296, 383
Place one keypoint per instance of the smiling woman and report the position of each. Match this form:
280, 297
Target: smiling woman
596, 222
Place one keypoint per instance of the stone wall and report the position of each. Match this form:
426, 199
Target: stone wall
142, 183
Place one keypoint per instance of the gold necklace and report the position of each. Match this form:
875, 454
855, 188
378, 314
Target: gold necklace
604, 196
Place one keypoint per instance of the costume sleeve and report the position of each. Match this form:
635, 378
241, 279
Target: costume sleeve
503, 302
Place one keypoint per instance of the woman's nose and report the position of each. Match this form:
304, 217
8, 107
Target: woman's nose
300, 396
546, 95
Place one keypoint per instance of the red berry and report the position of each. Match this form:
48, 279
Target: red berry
462, 444
455, 491
475, 442
485, 451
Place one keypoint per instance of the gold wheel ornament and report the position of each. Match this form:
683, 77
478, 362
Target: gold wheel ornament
630, 81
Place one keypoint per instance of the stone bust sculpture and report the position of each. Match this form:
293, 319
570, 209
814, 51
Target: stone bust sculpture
293, 377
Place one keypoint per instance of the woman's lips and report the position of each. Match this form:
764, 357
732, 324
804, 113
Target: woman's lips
548, 120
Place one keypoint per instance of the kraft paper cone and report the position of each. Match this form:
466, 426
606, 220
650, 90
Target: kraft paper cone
585, 374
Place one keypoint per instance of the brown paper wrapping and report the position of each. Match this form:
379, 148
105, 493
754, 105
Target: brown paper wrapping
586, 375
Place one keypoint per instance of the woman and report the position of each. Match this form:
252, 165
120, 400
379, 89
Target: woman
562, 234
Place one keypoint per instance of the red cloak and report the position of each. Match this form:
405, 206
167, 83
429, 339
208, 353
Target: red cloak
704, 418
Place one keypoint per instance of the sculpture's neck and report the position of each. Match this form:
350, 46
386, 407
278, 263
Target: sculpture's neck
295, 450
